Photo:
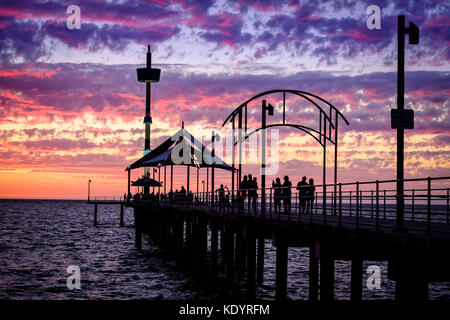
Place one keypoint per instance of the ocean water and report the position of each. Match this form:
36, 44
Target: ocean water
39, 239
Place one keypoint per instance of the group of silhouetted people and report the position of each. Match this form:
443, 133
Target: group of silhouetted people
178, 195
248, 187
282, 194
306, 192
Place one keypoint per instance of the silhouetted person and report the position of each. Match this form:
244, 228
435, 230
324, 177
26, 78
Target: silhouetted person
183, 191
221, 192
254, 187
277, 195
242, 192
302, 187
311, 190
286, 194
249, 188
171, 195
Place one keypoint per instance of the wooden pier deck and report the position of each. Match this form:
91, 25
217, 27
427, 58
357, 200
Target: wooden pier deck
225, 239
415, 255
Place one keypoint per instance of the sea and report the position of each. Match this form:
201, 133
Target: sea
41, 239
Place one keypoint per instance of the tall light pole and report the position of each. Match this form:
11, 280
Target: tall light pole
203, 184
148, 75
269, 108
400, 118
89, 189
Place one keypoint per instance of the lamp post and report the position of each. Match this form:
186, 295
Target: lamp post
402, 119
269, 108
215, 137
148, 75
89, 189
203, 185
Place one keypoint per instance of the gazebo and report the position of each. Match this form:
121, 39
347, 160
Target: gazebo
181, 149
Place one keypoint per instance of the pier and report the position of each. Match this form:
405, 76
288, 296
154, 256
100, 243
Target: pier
213, 239
216, 240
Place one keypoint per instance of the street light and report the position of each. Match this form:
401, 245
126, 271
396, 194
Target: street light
89, 189
269, 108
402, 119
203, 185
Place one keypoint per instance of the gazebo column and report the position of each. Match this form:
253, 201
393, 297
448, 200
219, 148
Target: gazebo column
198, 172
129, 170
207, 185
213, 153
187, 179
171, 177
232, 161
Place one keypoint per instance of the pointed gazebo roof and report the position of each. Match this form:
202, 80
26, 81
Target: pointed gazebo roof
182, 140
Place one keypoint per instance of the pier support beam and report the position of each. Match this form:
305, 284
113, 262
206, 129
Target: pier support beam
281, 268
188, 239
95, 215
121, 215
180, 238
222, 250
250, 241
229, 252
314, 271
326, 273
410, 283
202, 245
238, 249
260, 263
138, 227
356, 279
214, 254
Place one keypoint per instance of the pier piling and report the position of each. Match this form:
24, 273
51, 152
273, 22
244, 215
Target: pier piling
326, 273
213, 254
314, 271
260, 262
281, 268
356, 279
250, 241
95, 215
121, 215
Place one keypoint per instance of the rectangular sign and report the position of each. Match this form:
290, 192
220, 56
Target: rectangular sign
402, 119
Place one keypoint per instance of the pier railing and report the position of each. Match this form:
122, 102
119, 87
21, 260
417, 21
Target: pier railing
358, 203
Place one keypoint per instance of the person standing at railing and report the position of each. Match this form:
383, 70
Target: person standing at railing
249, 187
311, 190
221, 192
277, 195
302, 187
254, 192
242, 192
286, 195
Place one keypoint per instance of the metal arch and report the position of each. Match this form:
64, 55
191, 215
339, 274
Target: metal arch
328, 103
296, 92
296, 126
327, 115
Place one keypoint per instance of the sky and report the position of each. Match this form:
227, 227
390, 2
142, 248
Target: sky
71, 108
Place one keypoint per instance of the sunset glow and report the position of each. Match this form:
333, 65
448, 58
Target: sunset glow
71, 107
